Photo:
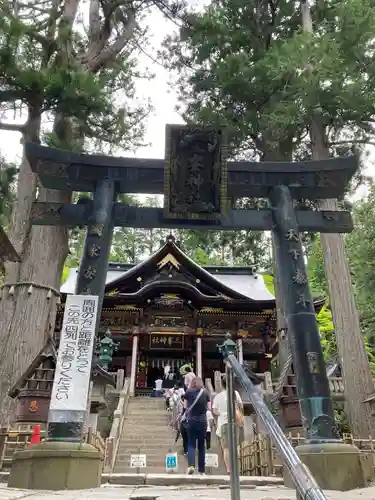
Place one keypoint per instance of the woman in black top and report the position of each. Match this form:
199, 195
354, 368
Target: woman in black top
197, 402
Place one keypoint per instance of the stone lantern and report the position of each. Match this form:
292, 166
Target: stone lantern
106, 347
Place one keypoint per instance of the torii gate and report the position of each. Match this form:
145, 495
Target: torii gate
197, 182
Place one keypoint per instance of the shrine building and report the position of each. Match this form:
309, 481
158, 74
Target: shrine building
168, 310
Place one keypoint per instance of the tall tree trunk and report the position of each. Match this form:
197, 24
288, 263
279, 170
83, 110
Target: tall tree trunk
355, 366
27, 317
14, 347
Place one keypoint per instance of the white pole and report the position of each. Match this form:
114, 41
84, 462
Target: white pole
199, 357
133, 371
240, 351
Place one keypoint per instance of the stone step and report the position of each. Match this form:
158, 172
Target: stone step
144, 424
162, 431
160, 441
145, 436
151, 464
149, 446
147, 470
146, 433
147, 421
147, 416
160, 478
134, 447
147, 430
145, 450
144, 440
153, 455
151, 403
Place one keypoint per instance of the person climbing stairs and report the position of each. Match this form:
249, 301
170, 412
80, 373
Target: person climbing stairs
147, 431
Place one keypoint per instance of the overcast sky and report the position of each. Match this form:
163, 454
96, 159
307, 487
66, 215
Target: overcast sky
157, 90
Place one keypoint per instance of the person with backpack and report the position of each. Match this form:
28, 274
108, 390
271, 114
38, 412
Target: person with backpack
196, 404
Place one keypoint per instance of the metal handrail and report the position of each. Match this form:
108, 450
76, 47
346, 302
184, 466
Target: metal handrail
306, 486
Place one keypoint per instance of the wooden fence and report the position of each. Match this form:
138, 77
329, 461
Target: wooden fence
17, 440
260, 458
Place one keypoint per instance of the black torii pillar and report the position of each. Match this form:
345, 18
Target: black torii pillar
67, 425
309, 367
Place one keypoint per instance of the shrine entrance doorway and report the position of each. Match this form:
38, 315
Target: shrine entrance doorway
156, 365
212, 362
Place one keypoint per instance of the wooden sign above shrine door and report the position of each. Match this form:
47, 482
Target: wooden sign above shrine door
167, 341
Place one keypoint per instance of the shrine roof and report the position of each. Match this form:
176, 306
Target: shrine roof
249, 285
236, 282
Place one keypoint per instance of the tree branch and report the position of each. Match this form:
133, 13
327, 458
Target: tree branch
12, 127
94, 24
352, 141
109, 53
69, 13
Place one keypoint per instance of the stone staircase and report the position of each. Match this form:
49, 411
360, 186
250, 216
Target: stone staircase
147, 431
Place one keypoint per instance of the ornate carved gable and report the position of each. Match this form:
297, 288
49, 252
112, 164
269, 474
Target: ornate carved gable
169, 263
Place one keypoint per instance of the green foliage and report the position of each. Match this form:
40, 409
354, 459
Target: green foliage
132, 245
325, 324
315, 269
327, 334
65, 274
49, 63
268, 281
361, 255
360, 252
253, 70
342, 421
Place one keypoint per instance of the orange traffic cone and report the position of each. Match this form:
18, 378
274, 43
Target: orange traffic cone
35, 438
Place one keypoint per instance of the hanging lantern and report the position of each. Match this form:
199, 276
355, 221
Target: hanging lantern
49, 295
30, 290
11, 290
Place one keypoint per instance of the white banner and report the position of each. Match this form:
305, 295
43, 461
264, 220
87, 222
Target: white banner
73, 367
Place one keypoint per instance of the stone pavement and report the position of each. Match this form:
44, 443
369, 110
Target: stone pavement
110, 492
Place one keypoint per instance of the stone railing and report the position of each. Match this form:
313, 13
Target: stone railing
12, 440
112, 442
336, 385
95, 439
120, 379
258, 456
267, 385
